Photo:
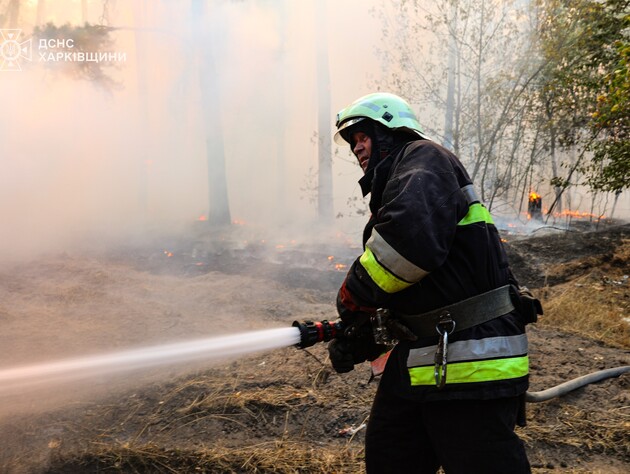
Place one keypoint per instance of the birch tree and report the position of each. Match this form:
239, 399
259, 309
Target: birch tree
324, 188
469, 61
584, 92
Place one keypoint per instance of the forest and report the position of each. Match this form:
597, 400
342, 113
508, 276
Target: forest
532, 95
168, 176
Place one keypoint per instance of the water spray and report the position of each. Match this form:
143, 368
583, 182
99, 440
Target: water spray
19, 378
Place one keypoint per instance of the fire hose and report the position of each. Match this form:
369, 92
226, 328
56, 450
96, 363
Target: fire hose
313, 332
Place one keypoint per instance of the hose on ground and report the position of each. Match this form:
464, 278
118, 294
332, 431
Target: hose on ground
569, 386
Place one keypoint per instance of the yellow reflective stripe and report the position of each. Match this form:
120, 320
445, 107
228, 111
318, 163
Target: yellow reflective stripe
476, 213
475, 371
498, 347
385, 280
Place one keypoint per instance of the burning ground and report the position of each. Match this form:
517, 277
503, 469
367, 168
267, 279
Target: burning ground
281, 411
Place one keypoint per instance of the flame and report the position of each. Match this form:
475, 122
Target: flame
503, 240
202, 218
280, 246
330, 258
340, 266
238, 222
578, 214
168, 254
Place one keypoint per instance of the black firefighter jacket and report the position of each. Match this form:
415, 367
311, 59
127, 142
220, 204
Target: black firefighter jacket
431, 243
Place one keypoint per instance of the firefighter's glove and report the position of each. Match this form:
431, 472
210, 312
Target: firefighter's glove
399, 331
526, 304
350, 317
355, 346
340, 352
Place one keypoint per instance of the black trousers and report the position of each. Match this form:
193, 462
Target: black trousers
462, 436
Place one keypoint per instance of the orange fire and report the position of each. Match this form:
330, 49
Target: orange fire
202, 218
533, 196
577, 214
168, 254
340, 266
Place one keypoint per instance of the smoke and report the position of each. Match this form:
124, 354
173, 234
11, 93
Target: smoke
82, 164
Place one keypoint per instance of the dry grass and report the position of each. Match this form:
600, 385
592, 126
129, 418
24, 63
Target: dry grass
279, 457
240, 404
593, 431
595, 305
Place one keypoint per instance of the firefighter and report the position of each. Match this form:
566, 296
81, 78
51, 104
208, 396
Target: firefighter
453, 386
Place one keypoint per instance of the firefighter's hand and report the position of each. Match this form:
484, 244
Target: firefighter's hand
356, 346
527, 305
340, 353
349, 312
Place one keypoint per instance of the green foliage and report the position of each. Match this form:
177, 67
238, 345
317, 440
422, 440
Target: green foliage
611, 160
88, 38
584, 90
559, 182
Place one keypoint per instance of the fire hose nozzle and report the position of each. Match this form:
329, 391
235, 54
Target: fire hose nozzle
312, 332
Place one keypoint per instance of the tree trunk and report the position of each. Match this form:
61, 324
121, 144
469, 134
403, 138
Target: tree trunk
554, 168
450, 88
143, 158
281, 171
324, 149
40, 13
218, 205
480, 141
13, 13
612, 211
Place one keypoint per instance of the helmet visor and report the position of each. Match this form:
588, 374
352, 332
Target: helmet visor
340, 136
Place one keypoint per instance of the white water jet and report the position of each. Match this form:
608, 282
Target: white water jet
17, 378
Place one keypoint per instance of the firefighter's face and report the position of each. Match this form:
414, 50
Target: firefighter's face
362, 148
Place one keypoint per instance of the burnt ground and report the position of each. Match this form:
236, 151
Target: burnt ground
275, 411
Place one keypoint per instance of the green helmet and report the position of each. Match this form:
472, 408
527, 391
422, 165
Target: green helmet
387, 109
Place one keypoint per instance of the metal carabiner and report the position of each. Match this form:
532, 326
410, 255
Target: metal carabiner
441, 353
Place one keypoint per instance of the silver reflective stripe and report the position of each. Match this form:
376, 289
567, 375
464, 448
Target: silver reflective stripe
371, 105
404, 114
472, 349
471, 195
392, 260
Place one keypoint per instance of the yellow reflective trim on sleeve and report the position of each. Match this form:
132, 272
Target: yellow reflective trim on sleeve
385, 280
476, 213
474, 371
